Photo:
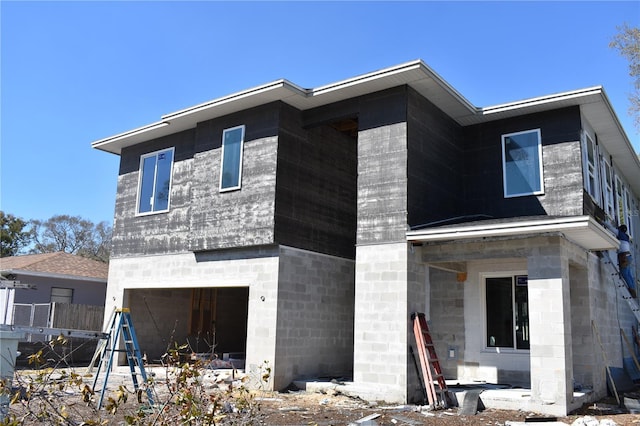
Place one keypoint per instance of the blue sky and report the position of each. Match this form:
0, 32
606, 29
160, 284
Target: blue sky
75, 72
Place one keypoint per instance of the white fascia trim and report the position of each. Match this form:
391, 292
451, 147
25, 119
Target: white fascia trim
296, 90
140, 130
25, 273
516, 228
397, 69
558, 97
633, 153
449, 88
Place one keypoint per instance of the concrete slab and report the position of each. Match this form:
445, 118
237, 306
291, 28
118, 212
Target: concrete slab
490, 395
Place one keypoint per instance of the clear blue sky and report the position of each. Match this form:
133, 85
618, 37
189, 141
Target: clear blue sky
76, 72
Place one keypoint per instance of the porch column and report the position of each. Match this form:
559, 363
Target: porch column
550, 324
381, 322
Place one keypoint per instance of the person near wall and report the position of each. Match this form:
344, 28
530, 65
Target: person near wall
624, 259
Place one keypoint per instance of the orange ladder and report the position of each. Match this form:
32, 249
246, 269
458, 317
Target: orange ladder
431, 371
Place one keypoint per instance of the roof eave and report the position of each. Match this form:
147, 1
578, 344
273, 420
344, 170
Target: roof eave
27, 273
583, 230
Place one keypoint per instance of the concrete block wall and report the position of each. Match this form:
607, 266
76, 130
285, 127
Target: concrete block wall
314, 335
446, 321
160, 318
609, 312
551, 353
257, 268
381, 318
583, 342
418, 295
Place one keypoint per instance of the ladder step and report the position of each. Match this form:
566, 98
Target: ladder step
122, 328
431, 372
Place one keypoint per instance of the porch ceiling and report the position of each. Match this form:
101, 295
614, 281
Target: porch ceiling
582, 230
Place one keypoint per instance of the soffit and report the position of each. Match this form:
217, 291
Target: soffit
582, 230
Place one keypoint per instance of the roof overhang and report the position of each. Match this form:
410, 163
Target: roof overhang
26, 273
415, 74
582, 230
593, 102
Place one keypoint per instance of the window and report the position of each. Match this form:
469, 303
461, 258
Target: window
155, 181
61, 295
628, 211
607, 190
507, 312
231, 168
522, 163
592, 182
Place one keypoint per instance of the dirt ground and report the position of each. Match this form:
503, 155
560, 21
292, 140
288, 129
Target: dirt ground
293, 408
303, 408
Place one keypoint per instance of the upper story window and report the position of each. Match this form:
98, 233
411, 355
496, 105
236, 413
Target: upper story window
592, 181
231, 167
607, 190
155, 181
507, 312
625, 209
522, 163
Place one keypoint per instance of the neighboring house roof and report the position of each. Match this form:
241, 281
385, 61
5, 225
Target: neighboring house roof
55, 264
594, 105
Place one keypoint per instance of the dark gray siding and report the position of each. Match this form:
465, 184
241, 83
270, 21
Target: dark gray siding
155, 233
316, 187
200, 217
382, 167
436, 183
409, 165
482, 166
243, 217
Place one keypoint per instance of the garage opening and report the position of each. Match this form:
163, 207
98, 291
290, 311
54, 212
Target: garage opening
211, 321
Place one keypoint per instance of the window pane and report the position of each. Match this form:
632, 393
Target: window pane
155, 181
522, 312
163, 178
61, 295
146, 184
499, 312
232, 155
522, 171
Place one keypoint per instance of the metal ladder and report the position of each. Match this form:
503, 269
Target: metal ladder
621, 285
121, 326
431, 371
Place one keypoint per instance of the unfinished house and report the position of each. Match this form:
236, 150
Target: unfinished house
302, 227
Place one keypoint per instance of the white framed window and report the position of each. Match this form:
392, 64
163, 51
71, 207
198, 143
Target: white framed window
590, 160
522, 163
154, 185
61, 295
507, 312
624, 205
607, 190
628, 211
622, 217
231, 162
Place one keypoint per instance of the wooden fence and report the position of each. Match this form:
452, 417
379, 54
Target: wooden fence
77, 317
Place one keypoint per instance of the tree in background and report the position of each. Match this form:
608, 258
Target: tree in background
14, 234
72, 234
627, 42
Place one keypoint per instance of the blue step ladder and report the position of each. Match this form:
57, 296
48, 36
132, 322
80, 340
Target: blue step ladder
121, 327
